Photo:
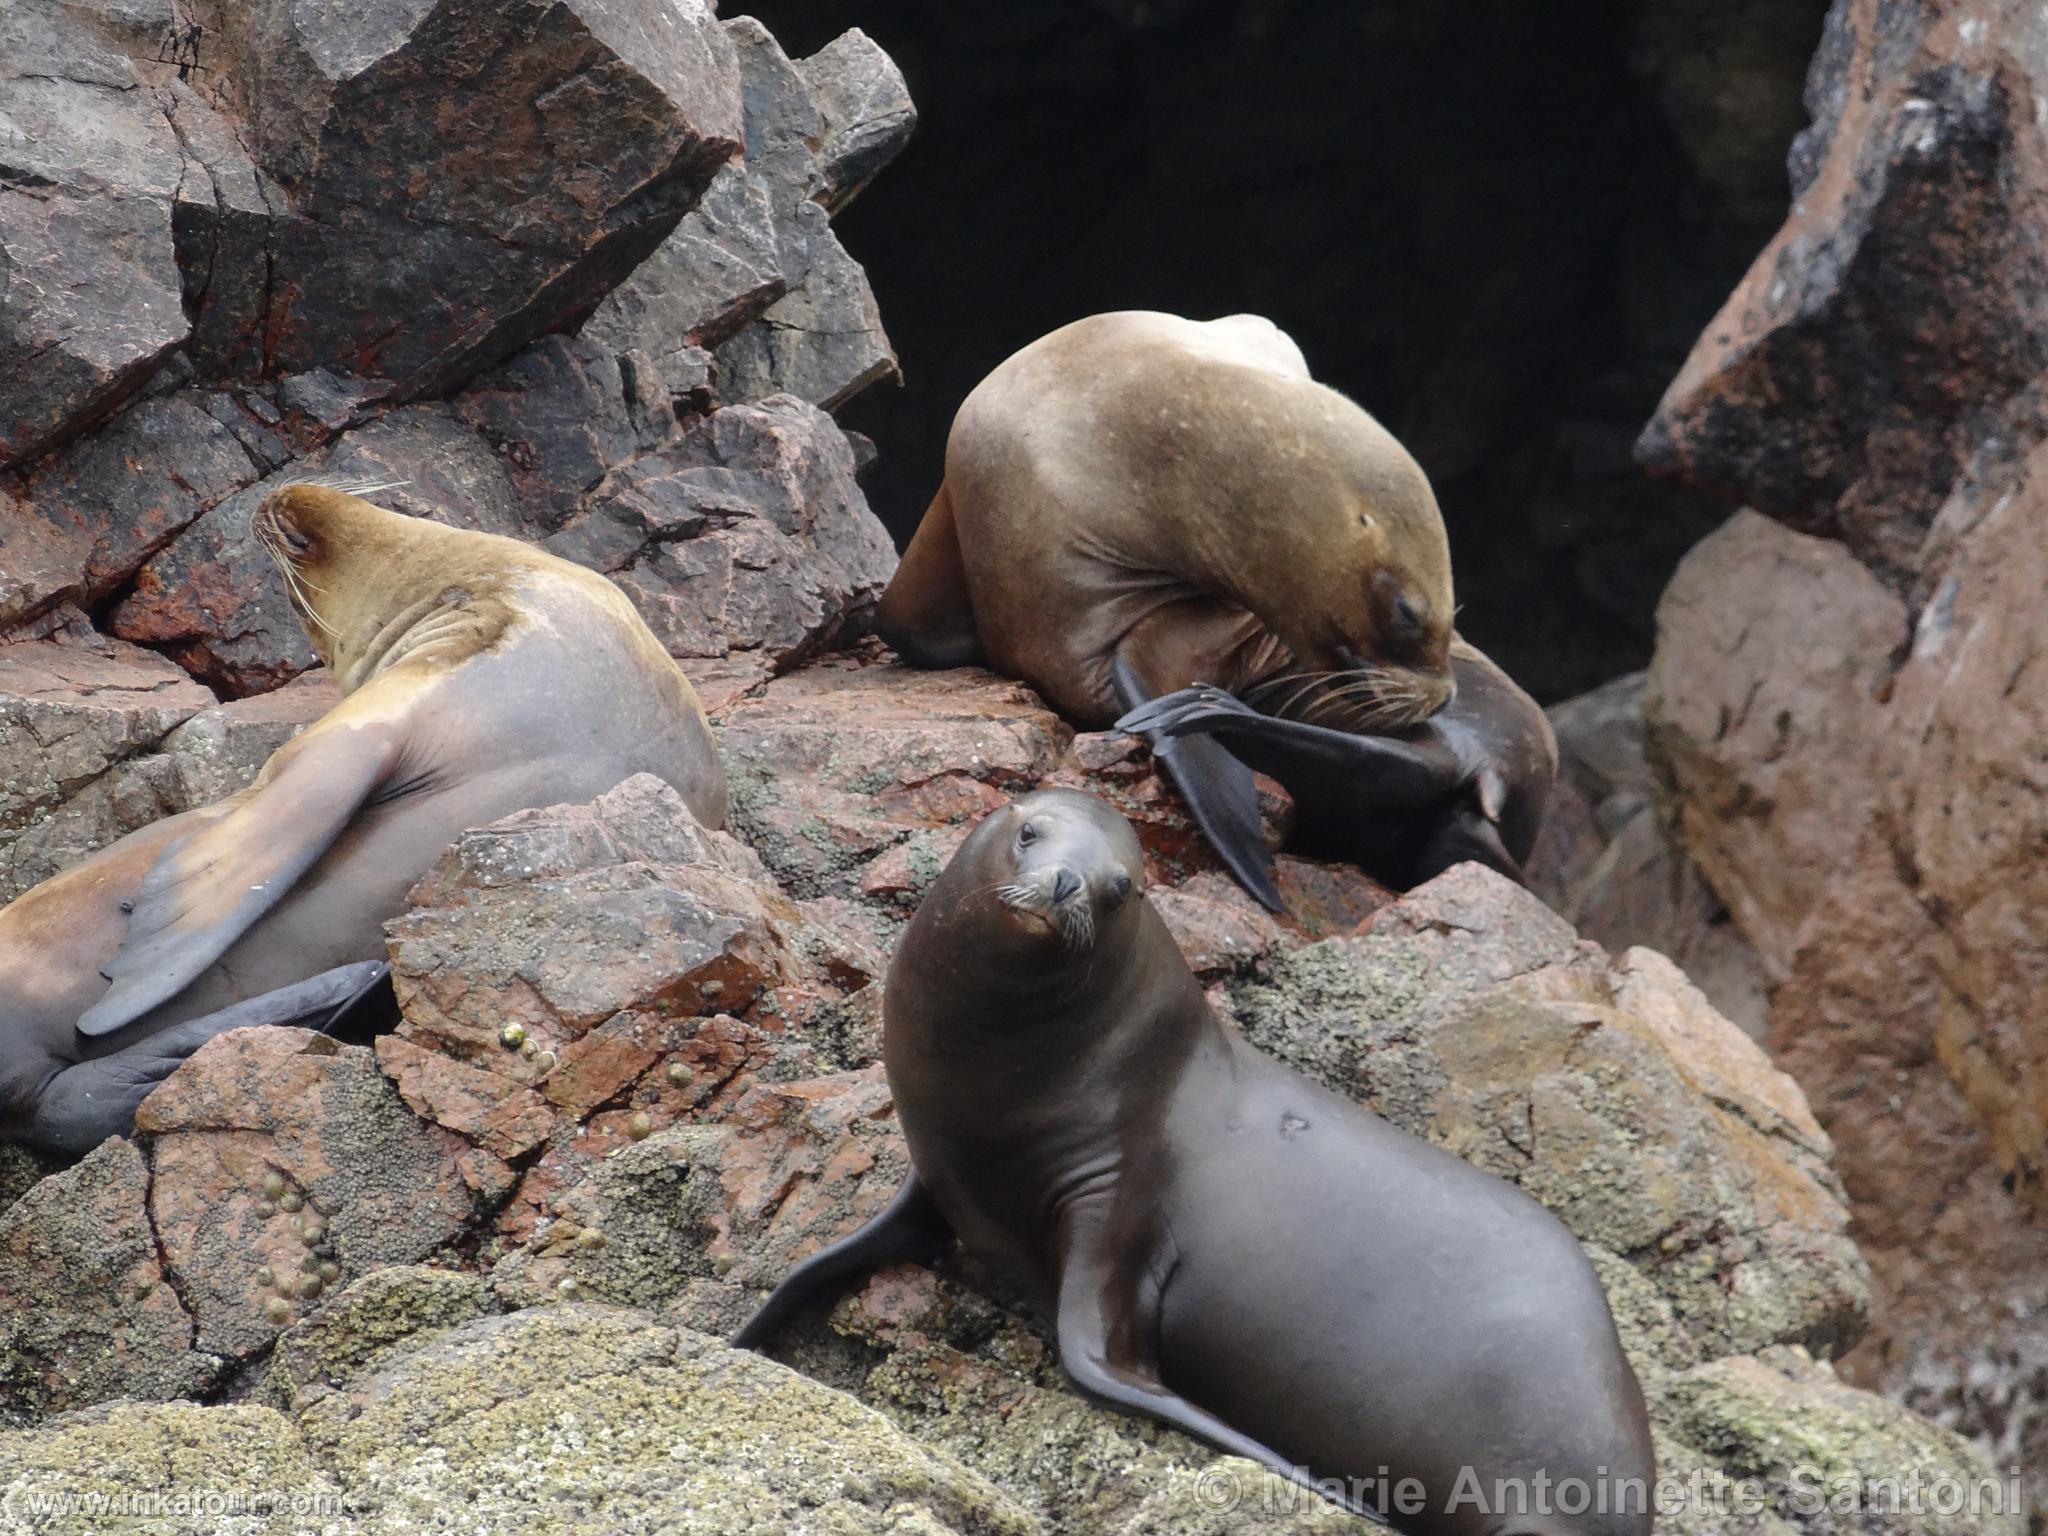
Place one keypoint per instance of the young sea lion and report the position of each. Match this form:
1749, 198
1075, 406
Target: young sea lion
1223, 1244
1137, 503
481, 676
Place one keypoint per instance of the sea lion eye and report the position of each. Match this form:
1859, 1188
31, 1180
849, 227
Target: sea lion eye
1026, 835
1408, 615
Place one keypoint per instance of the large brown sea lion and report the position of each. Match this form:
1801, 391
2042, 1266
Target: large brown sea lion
1138, 503
481, 677
1223, 1244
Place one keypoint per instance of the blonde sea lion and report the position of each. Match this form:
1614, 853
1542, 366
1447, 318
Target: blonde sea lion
1138, 503
1221, 1243
480, 675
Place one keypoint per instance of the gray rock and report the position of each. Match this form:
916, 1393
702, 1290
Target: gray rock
749, 534
865, 114
90, 293
720, 269
823, 341
563, 144
87, 1312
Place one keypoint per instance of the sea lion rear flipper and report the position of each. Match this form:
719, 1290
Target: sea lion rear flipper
81, 1105
910, 1231
927, 613
1109, 1303
1467, 835
207, 889
1218, 789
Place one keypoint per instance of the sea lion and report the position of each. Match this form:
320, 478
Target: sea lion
1137, 503
481, 676
1223, 1244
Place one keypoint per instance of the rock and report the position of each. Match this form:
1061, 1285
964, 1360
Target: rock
70, 715
87, 1309
172, 1469
837, 763
1768, 719
359, 1326
637, 1421
822, 340
214, 600
1853, 721
1611, 859
274, 1148
864, 110
1853, 380
94, 515
562, 416
749, 534
719, 270
563, 144
92, 304
121, 785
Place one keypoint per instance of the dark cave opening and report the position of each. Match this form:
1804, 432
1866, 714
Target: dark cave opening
1498, 226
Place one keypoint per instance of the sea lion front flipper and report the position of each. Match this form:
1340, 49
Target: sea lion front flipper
1217, 787
926, 614
1108, 1319
910, 1231
81, 1105
205, 890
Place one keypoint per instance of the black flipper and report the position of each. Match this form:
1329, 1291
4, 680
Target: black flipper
1109, 1302
910, 1231
1467, 835
1218, 789
81, 1105
371, 1010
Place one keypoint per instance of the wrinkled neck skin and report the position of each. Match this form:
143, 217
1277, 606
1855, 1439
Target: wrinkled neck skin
371, 643
1023, 1076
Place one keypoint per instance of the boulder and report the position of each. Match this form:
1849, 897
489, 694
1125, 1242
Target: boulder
1844, 688
92, 303
1611, 858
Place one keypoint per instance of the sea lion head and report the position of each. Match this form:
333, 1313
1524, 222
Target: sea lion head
1056, 870
1372, 607
363, 579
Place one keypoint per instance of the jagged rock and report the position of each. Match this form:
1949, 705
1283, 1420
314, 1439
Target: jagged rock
834, 764
92, 301
1892, 336
747, 534
822, 340
562, 143
1611, 859
719, 270
865, 114
273, 1149
1854, 722
106, 505
87, 1310
214, 600
563, 415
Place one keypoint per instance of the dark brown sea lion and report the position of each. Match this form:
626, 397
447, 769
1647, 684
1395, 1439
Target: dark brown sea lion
1223, 1244
481, 677
1138, 503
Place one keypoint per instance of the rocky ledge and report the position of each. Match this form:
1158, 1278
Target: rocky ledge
484, 1262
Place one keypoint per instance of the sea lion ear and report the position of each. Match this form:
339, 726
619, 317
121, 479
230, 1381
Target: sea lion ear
207, 889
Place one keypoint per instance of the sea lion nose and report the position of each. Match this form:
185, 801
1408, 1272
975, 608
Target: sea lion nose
1064, 884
